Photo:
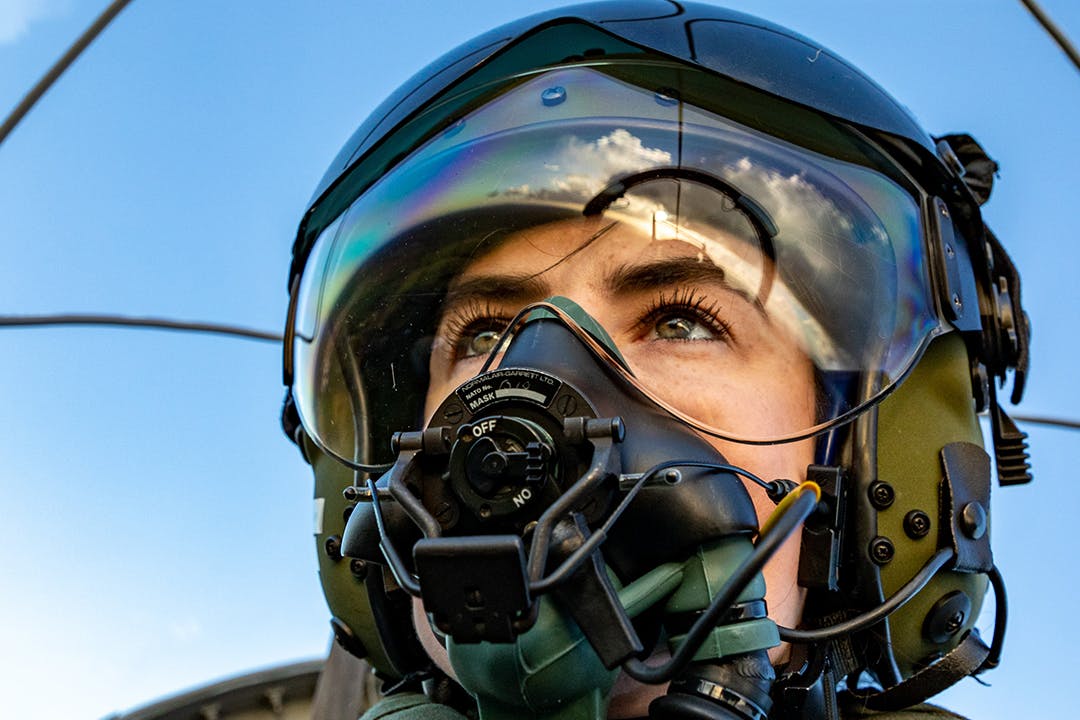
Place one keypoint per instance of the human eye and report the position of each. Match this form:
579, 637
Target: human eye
684, 316
472, 330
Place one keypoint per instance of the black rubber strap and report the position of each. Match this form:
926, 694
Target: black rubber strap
961, 661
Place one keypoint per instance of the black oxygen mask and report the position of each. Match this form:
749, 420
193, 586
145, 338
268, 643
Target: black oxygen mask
561, 525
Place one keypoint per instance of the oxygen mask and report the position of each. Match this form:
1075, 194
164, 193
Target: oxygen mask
561, 526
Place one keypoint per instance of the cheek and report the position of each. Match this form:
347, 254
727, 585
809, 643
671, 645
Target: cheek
760, 396
783, 596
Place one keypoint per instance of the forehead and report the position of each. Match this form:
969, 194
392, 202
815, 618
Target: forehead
595, 246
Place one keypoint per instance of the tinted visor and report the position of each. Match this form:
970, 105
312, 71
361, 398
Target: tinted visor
720, 258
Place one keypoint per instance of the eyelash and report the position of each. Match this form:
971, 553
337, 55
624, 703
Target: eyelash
471, 319
695, 304
480, 316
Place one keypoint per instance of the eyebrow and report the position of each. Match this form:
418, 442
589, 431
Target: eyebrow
627, 279
518, 288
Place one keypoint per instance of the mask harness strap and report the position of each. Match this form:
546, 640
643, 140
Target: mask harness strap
963, 660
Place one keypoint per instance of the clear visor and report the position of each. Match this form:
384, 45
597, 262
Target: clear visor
763, 290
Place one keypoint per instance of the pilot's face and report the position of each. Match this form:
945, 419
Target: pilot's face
701, 345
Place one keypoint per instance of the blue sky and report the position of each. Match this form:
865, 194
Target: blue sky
155, 525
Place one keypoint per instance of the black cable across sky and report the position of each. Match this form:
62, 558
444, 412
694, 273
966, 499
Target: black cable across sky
1055, 32
138, 322
60, 66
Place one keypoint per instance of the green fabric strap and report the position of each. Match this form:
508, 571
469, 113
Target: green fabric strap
414, 706
410, 706
852, 709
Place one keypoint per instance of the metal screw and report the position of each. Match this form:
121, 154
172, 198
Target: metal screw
444, 514
949, 252
347, 512
955, 622
882, 550
882, 495
957, 302
945, 211
566, 405
332, 546
672, 476
916, 524
358, 568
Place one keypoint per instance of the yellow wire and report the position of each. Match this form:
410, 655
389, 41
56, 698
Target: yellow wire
782, 508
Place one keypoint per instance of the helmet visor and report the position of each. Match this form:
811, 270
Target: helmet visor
744, 258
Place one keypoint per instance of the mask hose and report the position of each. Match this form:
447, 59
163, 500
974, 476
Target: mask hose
739, 686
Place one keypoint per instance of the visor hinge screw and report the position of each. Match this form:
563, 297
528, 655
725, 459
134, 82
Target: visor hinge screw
917, 524
882, 495
882, 550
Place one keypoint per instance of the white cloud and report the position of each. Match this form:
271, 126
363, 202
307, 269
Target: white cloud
16, 16
185, 630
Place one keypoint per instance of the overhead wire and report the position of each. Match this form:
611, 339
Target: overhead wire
267, 336
1054, 31
60, 66
139, 322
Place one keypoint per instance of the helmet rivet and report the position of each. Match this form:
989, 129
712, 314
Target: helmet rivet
358, 568
973, 520
944, 211
957, 302
882, 495
949, 252
553, 96
946, 618
332, 546
916, 524
882, 550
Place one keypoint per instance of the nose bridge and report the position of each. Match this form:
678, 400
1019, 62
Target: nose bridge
529, 336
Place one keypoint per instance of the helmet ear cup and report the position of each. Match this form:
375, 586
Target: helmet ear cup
371, 617
931, 409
